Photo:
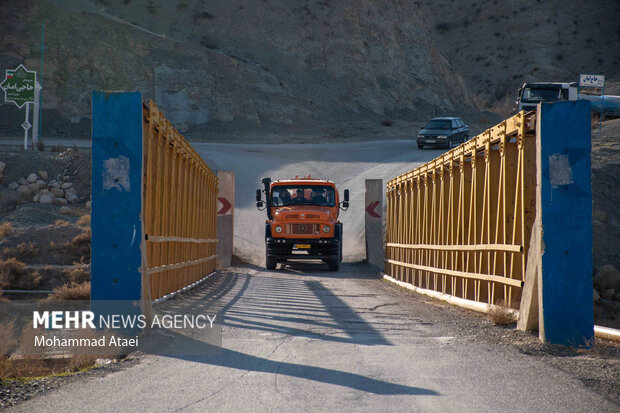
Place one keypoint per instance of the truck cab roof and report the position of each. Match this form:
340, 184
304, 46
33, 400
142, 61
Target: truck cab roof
550, 84
302, 181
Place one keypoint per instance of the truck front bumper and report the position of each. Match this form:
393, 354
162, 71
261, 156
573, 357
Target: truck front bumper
295, 249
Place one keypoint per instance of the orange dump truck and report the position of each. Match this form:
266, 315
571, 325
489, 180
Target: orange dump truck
302, 220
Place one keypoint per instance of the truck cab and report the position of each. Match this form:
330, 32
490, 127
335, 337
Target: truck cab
302, 220
530, 94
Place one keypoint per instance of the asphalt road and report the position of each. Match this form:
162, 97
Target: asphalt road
348, 165
304, 339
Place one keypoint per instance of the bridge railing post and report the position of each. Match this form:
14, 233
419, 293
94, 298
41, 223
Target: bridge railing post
558, 284
225, 218
116, 244
373, 222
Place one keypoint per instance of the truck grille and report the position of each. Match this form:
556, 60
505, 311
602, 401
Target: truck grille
305, 229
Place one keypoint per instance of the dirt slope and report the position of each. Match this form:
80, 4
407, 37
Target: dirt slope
498, 45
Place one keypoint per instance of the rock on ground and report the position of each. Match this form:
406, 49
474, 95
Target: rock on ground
25, 192
607, 278
58, 193
46, 199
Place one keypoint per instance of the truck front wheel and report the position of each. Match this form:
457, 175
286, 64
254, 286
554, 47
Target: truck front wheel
334, 264
270, 262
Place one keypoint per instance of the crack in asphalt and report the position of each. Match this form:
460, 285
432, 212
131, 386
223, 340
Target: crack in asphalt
237, 379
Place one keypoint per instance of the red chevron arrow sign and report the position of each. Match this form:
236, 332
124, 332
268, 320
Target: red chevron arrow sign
370, 209
225, 206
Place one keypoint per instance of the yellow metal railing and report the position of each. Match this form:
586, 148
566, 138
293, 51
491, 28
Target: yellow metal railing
460, 224
179, 206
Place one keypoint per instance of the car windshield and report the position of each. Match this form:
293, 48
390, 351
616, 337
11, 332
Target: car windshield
284, 195
539, 94
438, 124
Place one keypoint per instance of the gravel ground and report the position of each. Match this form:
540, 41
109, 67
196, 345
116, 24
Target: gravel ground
598, 367
13, 392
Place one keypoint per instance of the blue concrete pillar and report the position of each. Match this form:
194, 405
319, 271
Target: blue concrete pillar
116, 196
565, 203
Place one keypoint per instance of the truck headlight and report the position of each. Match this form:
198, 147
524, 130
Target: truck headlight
326, 228
279, 229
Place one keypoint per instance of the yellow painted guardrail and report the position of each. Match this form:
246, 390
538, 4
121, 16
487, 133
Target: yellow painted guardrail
179, 204
461, 223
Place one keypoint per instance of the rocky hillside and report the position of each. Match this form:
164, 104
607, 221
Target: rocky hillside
498, 45
237, 65
233, 67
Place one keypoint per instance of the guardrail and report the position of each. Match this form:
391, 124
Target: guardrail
461, 223
179, 204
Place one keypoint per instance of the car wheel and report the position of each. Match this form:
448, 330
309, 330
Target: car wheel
420, 146
450, 143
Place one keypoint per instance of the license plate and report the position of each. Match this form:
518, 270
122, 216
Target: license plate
302, 246
430, 141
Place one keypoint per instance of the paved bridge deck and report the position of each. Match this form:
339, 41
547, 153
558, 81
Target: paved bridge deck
304, 339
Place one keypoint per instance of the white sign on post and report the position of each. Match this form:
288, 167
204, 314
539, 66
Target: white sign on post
586, 80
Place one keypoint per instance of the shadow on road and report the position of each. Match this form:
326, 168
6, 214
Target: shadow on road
292, 307
246, 362
359, 270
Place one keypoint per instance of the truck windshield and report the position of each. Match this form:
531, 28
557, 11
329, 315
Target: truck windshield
284, 195
540, 94
438, 124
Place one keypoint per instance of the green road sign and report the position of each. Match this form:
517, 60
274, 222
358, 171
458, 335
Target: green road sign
19, 86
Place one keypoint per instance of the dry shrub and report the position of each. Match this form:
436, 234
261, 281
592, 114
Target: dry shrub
7, 337
84, 221
6, 229
22, 251
72, 291
78, 275
82, 239
35, 361
80, 246
59, 148
61, 223
500, 314
14, 274
387, 122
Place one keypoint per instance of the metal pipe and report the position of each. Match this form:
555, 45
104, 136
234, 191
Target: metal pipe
607, 333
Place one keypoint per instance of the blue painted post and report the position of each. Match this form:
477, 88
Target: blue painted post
116, 256
565, 207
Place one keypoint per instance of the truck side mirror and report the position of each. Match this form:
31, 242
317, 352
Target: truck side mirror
259, 201
345, 203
